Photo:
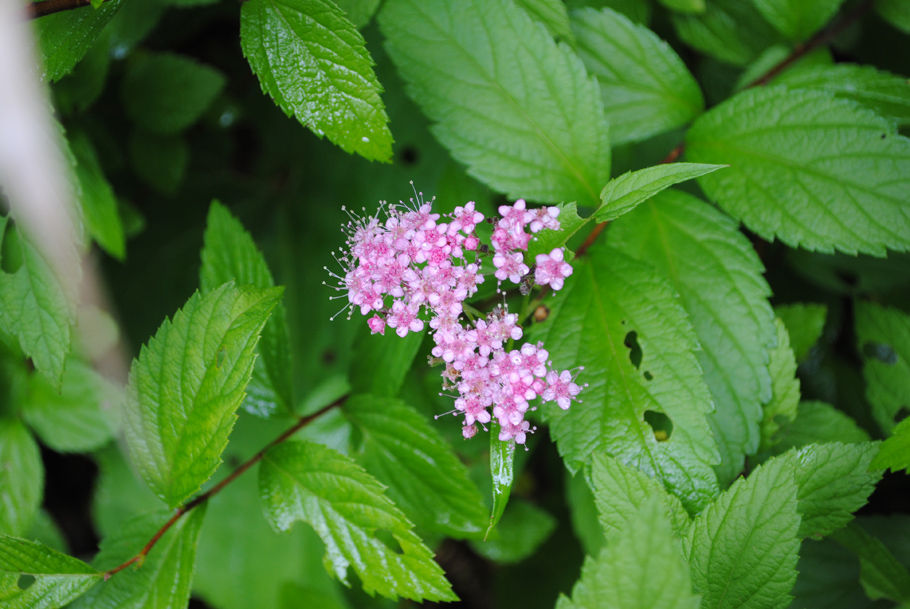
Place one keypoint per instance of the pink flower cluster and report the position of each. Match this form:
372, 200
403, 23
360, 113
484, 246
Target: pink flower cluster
412, 269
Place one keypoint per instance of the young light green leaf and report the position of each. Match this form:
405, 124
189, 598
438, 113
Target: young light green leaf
814, 171
552, 15
882, 575
692, 245
733, 31
97, 200
818, 422
77, 417
570, 223
804, 323
347, 507
518, 534
187, 383
502, 458
508, 102
58, 578
379, 363
642, 566
645, 86
425, 477
888, 94
624, 193
314, 63
21, 477
63, 38
782, 406
166, 93
883, 339
895, 452
620, 492
797, 19
743, 547
621, 320
229, 254
34, 310
895, 12
164, 579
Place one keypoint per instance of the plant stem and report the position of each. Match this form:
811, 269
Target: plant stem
200, 499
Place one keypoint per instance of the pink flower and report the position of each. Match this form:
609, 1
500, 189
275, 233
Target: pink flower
376, 324
552, 269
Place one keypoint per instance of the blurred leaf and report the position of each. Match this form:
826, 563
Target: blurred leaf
685, 6
733, 31
719, 279
814, 171
502, 476
77, 91
313, 62
58, 578
552, 15
380, 362
347, 507
187, 383
583, 512
797, 19
785, 394
883, 340
645, 86
804, 323
98, 202
159, 160
895, 12
119, 492
21, 478
46, 531
518, 534
541, 133
895, 452
132, 25
166, 93
360, 12
818, 422
64, 38
828, 578
882, 575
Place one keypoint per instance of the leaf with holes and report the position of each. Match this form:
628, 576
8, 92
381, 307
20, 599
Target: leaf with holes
314, 63
814, 171
507, 101
883, 339
348, 508
58, 578
647, 402
21, 477
719, 279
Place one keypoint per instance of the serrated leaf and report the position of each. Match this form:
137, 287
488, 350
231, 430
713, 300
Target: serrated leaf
620, 492
518, 535
895, 452
882, 575
718, 276
818, 422
58, 578
34, 310
166, 92
743, 547
611, 301
79, 89
552, 14
883, 340
97, 200
797, 19
425, 477
187, 383
642, 566
380, 362
64, 38
229, 254
645, 86
624, 193
313, 62
814, 171
21, 477
888, 94
163, 579
570, 224
507, 101
804, 323
732, 31
785, 390
77, 417
502, 474
347, 507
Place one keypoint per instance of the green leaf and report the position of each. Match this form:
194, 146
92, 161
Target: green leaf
119, 493
64, 38
804, 323
645, 86
314, 63
829, 578
782, 406
97, 200
34, 310
425, 477
347, 507
585, 522
797, 19
79, 89
77, 417
380, 362
623, 323
229, 254
642, 566
21, 477
159, 160
552, 14
166, 93
507, 101
743, 547
186, 384
58, 578
732, 31
360, 12
814, 171
502, 475
719, 279
882, 575
885, 93
624, 193
883, 339
895, 12
818, 422
163, 579
895, 452
685, 6
621, 492
518, 535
